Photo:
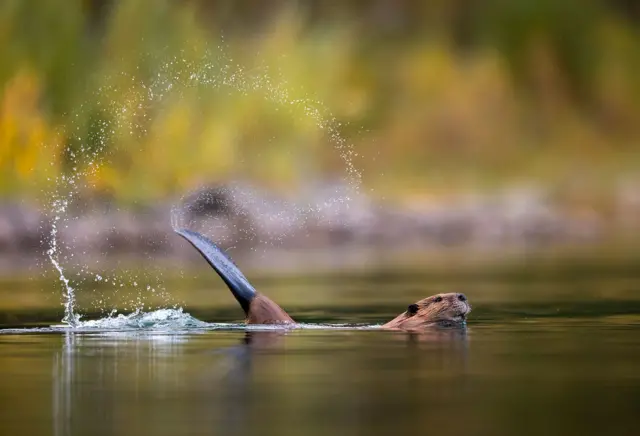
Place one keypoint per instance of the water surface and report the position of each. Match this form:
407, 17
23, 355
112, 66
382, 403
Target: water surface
527, 363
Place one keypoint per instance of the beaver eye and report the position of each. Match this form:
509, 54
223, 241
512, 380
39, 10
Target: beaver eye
412, 309
437, 299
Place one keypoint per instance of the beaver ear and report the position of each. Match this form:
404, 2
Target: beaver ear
412, 309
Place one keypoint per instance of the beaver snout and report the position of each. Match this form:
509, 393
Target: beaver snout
462, 297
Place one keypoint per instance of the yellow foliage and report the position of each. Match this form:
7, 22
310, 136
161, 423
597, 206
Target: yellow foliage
29, 147
420, 111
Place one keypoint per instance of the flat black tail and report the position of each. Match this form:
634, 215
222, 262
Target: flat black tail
223, 265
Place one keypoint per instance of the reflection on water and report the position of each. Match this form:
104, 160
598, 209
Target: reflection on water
89, 372
239, 383
517, 369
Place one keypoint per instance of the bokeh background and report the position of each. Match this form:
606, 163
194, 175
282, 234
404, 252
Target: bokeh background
354, 157
337, 135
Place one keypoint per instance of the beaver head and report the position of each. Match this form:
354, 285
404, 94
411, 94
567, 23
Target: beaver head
446, 309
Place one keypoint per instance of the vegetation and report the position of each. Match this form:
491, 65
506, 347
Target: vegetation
434, 97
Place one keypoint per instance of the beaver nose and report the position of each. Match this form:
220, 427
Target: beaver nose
462, 297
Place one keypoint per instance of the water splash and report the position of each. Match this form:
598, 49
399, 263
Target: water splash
175, 76
175, 322
65, 189
70, 316
163, 319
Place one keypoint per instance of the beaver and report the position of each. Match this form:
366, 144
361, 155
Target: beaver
442, 309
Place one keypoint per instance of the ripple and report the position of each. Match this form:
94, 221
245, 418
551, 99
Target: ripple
171, 321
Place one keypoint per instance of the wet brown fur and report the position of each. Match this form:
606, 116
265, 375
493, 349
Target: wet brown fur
449, 308
445, 309
264, 311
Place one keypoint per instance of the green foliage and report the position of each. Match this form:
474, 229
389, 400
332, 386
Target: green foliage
435, 97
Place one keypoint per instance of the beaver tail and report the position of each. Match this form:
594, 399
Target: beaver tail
224, 266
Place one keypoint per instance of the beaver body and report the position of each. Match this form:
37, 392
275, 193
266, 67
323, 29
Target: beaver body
447, 309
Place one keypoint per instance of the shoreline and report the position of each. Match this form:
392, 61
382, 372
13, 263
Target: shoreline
257, 228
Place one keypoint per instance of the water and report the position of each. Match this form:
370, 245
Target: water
127, 121
556, 360
556, 357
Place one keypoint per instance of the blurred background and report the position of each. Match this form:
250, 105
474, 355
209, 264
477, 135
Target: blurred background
353, 157
321, 136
